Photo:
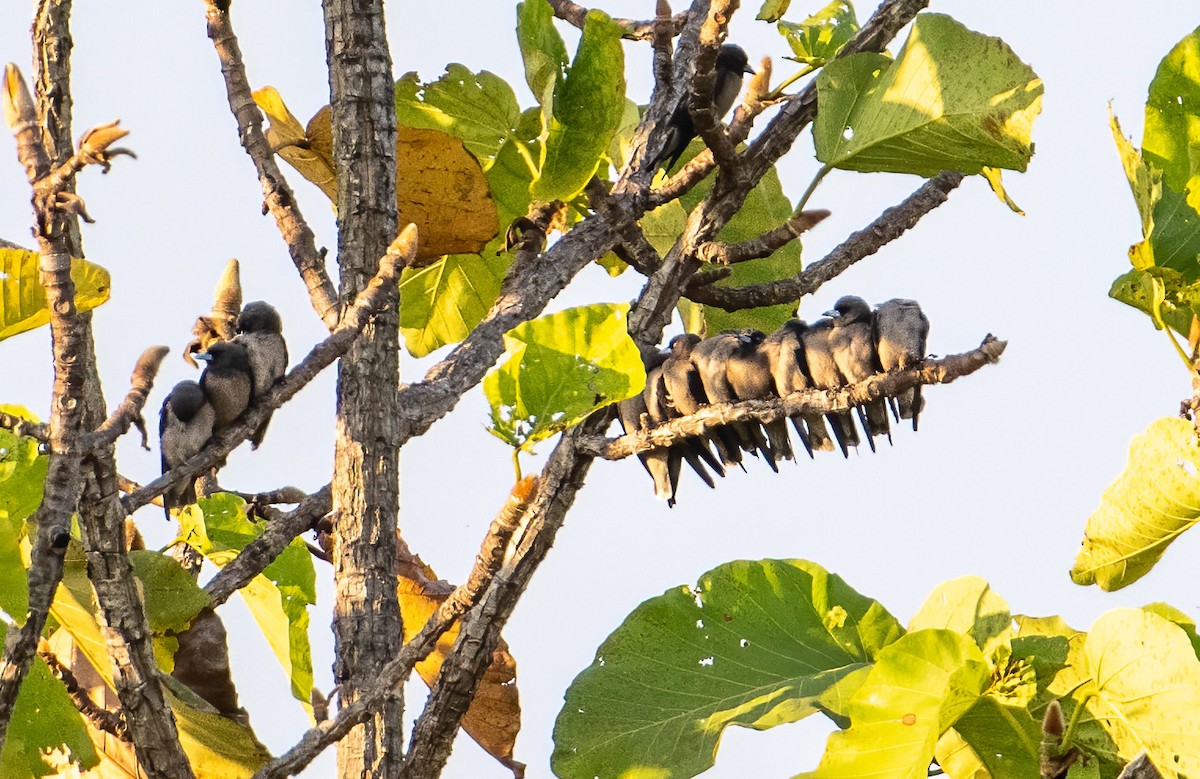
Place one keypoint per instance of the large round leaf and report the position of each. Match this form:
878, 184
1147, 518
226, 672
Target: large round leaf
756, 644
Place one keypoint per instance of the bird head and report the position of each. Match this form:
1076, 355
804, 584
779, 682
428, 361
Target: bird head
259, 316
849, 308
733, 58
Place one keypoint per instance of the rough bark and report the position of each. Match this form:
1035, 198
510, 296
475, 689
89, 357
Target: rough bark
365, 487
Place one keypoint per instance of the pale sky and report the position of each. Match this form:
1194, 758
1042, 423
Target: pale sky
1007, 466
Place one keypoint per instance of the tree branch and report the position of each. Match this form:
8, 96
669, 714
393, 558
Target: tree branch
277, 195
575, 14
941, 371
718, 253
487, 563
102, 719
262, 551
129, 412
887, 227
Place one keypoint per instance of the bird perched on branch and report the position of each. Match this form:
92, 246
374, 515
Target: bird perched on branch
185, 424
823, 370
789, 369
732, 63
685, 392
227, 381
900, 331
854, 352
260, 331
732, 369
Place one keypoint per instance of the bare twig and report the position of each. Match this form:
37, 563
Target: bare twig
576, 14
262, 551
487, 563
764, 245
129, 412
38, 431
102, 719
278, 197
889, 226
320, 357
940, 371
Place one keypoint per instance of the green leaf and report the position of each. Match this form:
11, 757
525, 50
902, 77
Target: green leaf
172, 597
994, 736
1145, 688
217, 746
818, 38
588, 108
478, 108
773, 10
1145, 509
918, 687
952, 100
755, 644
542, 49
967, 606
441, 303
1170, 146
560, 368
278, 598
23, 303
43, 720
22, 474
1136, 288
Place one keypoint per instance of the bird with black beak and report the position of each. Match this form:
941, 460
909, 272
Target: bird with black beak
227, 381
260, 331
853, 345
732, 64
185, 424
901, 330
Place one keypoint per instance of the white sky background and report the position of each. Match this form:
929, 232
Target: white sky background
1007, 466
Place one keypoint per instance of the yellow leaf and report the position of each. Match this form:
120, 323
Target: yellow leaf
23, 303
494, 717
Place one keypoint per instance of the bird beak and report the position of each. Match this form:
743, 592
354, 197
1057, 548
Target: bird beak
203, 356
834, 313
748, 69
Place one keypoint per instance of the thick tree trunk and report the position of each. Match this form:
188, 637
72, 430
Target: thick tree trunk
366, 621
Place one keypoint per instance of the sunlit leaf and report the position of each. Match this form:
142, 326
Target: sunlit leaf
589, 106
216, 746
289, 140
478, 108
542, 49
968, 606
441, 303
1170, 145
815, 40
755, 644
493, 718
1136, 288
22, 473
171, 596
43, 719
773, 10
1145, 509
278, 598
919, 686
23, 303
560, 368
952, 100
993, 737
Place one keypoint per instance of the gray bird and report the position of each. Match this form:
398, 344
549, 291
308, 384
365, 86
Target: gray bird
184, 425
789, 370
732, 368
630, 412
854, 352
685, 393
227, 381
260, 330
732, 64
901, 330
659, 410
823, 370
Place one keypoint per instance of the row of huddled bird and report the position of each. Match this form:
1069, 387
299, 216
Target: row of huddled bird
847, 345
238, 372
